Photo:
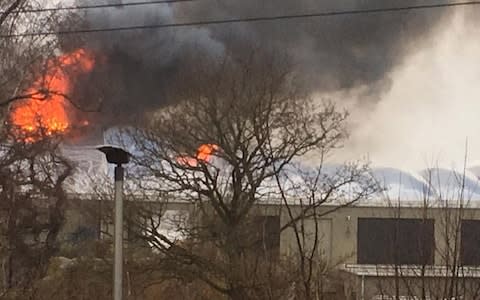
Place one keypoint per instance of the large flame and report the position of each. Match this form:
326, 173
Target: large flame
45, 111
204, 153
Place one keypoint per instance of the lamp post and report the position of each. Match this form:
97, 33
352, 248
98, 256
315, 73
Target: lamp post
118, 157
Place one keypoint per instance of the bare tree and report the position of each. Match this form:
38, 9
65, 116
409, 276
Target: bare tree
29, 63
303, 199
22, 58
32, 207
443, 271
32, 170
237, 125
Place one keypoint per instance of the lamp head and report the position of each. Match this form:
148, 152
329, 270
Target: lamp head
115, 155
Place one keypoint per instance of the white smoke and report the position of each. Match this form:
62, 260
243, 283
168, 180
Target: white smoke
432, 107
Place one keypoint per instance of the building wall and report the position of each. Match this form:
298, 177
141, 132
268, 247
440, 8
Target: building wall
337, 238
338, 229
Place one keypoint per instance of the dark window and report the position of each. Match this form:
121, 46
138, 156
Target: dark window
470, 242
82, 234
395, 241
267, 233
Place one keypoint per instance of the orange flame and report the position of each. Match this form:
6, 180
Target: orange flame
46, 109
204, 153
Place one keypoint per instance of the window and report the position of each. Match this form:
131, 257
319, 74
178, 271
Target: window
470, 242
395, 241
266, 233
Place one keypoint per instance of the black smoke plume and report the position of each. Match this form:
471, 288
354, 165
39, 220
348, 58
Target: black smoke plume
135, 69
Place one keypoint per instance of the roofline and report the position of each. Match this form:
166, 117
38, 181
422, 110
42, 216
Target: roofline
365, 203
371, 270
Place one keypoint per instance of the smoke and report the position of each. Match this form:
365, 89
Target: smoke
408, 78
429, 117
338, 53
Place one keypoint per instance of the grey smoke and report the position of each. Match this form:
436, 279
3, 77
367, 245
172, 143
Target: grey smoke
333, 53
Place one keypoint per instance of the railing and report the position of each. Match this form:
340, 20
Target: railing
412, 270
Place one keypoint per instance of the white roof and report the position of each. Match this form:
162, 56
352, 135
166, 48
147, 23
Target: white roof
428, 184
435, 184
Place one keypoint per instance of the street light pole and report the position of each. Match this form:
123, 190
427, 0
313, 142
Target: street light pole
118, 232
118, 157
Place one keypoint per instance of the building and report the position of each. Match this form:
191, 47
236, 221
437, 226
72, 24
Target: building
419, 239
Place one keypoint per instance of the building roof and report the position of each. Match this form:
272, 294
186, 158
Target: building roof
429, 184
435, 185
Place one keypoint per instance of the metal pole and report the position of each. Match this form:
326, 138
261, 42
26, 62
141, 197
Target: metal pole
118, 233
362, 296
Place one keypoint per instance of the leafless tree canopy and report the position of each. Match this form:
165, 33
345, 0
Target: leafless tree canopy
31, 208
32, 169
253, 116
23, 59
438, 260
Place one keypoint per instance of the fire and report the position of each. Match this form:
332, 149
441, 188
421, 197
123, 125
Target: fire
204, 153
46, 109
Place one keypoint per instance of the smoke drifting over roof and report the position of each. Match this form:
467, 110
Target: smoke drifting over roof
332, 53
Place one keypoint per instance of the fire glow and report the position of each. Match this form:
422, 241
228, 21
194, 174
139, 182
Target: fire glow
45, 110
204, 154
